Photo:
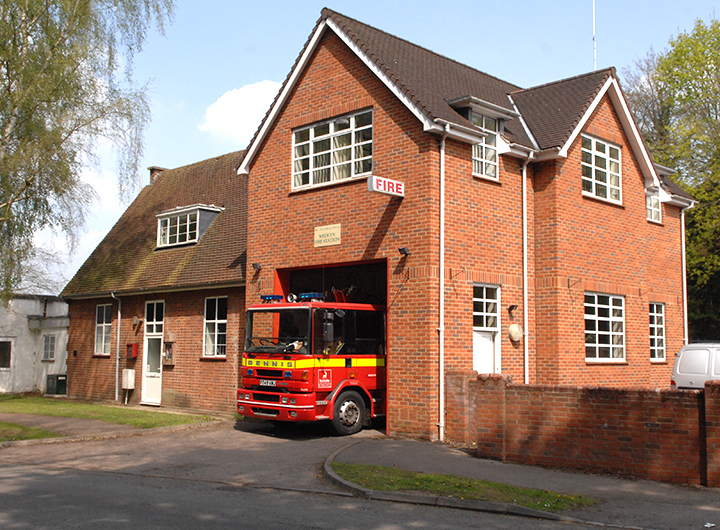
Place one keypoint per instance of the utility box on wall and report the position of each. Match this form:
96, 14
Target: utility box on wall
128, 379
56, 384
132, 350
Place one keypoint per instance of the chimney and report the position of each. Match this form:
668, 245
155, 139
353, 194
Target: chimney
154, 172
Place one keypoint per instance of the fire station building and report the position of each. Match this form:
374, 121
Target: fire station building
507, 230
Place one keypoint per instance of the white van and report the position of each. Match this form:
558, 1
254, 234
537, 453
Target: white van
695, 364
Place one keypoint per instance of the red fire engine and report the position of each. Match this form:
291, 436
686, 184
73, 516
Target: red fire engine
308, 360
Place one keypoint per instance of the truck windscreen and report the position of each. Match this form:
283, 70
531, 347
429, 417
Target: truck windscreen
278, 331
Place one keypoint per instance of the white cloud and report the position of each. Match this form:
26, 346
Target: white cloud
236, 115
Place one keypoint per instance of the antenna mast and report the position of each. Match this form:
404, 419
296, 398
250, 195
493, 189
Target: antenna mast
594, 41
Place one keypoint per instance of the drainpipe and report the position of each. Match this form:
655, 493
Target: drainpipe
441, 318
686, 339
526, 316
117, 359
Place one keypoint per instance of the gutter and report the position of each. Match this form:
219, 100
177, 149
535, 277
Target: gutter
117, 359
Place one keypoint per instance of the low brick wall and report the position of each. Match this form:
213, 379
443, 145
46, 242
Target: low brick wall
665, 435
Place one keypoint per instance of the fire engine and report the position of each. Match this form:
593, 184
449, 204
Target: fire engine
306, 359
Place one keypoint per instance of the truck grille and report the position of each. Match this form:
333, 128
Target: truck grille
265, 412
268, 398
269, 373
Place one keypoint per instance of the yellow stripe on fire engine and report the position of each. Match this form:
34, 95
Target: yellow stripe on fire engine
330, 362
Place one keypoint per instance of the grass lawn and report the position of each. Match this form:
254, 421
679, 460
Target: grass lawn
10, 432
145, 419
380, 478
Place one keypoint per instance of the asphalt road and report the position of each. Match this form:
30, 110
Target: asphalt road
254, 476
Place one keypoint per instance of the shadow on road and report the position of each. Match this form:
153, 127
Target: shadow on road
296, 431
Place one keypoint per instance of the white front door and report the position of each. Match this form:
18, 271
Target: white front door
483, 352
152, 353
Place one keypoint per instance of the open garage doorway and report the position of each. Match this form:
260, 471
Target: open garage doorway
364, 283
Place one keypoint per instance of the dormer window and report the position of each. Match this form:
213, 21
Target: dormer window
484, 154
184, 225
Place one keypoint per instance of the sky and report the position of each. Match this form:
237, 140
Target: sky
213, 74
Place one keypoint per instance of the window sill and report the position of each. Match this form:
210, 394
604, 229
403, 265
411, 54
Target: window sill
329, 184
586, 195
486, 178
216, 359
658, 361
653, 221
101, 356
600, 362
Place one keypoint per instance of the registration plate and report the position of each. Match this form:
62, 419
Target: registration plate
267, 382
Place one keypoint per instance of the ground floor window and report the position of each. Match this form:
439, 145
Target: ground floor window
215, 327
5, 350
486, 327
103, 324
604, 327
657, 332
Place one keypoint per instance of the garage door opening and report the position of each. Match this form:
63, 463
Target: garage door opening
364, 283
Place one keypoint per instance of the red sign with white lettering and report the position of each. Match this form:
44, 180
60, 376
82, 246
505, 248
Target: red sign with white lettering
387, 186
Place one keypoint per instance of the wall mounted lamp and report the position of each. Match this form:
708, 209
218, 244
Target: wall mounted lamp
404, 251
512, 308
256, 266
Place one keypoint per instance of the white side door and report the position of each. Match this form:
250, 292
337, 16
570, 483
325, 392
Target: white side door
152, 353
483, 352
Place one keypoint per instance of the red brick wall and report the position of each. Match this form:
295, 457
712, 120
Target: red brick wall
588, 245
192, 382
658, 435
281, 222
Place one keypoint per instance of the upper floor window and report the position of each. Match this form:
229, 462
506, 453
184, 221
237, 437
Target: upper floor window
652, 204
49, 348
103, 324
604, 327
657, 332
333, 150
215, 326
185, 224
484, 154
601, 169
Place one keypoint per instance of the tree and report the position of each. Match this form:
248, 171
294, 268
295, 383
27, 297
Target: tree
675, 97
62, 91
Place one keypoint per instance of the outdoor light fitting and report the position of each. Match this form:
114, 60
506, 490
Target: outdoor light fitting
404, 251
256, 266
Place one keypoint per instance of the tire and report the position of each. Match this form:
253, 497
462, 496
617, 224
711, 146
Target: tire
349, 413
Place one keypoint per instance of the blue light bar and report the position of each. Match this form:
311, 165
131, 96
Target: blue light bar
288, 373
267, 298
312, 296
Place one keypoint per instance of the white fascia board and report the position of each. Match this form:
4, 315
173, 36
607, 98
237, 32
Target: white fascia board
428, 124
612, 88
527, 130
244, 168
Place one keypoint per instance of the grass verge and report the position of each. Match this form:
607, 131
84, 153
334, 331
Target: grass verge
10, 432
145, 419
381, 478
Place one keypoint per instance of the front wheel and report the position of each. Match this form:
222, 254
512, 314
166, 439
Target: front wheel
349, 413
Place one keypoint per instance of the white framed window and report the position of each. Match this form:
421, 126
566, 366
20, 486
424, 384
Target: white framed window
486, 308
103, 325
5, 354
154, 317
333, 150
49, 348
215, 341
601, 164
178, 229
652, 205
604, 327
657, 331
484, 154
